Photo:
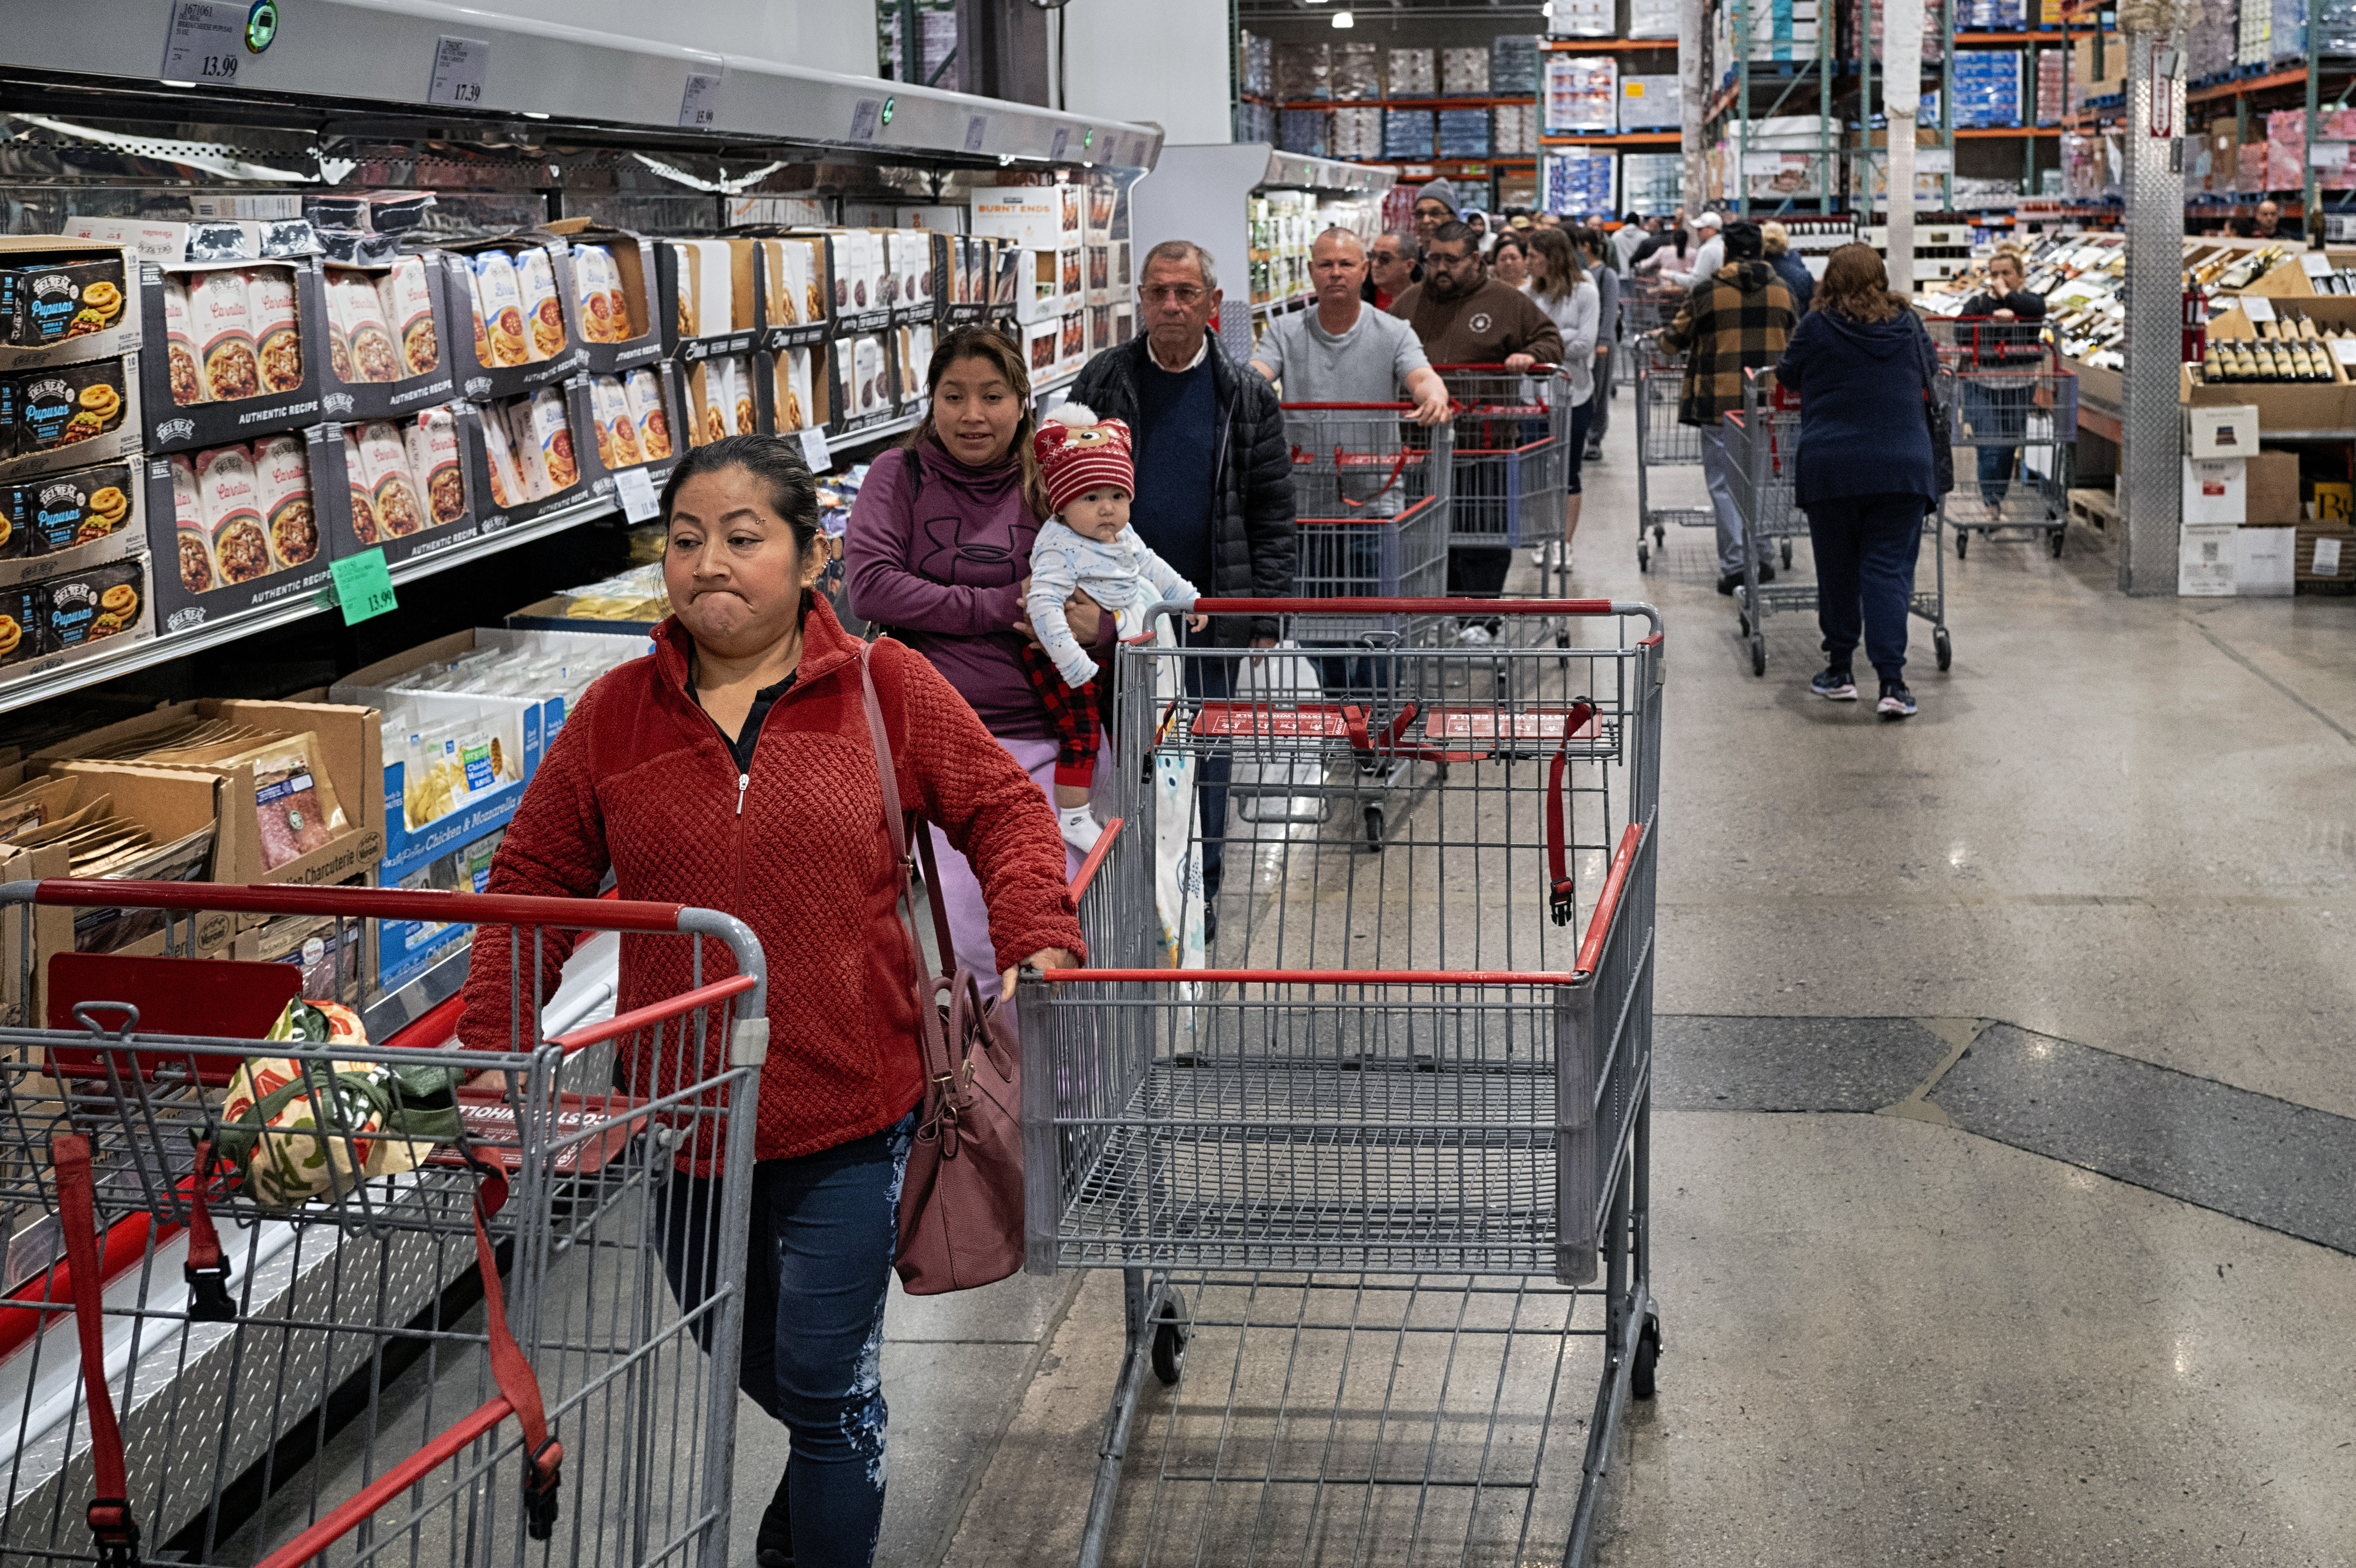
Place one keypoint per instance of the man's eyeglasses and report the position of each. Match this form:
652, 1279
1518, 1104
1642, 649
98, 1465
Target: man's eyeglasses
1386, 256
1184, 293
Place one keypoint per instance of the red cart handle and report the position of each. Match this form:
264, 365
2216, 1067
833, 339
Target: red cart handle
112, 1524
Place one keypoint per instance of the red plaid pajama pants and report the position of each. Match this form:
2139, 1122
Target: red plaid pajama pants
1072, 714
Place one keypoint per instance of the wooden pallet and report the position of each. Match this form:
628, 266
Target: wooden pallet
2095, 508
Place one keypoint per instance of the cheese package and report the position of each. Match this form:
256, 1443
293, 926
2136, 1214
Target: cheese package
483, 355
432, 442
618, 431
180, 343
531, 463
224, 330
229, 501
407, 301
502, 297
392, 492
552, 430
499, 455
198, 572
645, 395
543, 314
366, 335
271, 316
281, 472
364, 527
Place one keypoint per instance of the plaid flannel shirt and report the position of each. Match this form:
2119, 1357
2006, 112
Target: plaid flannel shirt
1736, 321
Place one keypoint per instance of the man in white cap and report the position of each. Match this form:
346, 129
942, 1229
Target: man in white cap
1709, 253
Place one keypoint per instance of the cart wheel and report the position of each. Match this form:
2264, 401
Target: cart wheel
1643, 557
1787, 555
2055, 543
1962, 538
1170, 1337
1940, 640
1759, 656
1744, 621
1648, 1360
1661, 534
1375, 829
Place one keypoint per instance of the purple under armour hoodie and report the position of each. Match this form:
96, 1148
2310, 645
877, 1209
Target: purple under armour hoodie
944, 574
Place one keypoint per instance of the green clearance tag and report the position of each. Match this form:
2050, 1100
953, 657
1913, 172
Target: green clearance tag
363, 586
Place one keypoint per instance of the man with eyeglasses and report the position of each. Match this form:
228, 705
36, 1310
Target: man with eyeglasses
1214, 477
1391, 269
1464, 319
1435, 204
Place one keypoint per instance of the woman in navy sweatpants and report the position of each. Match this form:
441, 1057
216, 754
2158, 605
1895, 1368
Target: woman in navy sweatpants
1862, 366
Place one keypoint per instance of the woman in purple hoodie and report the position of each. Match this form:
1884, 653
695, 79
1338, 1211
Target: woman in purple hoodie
938, 552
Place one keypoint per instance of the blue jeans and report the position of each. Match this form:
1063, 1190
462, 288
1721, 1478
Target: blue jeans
1866, 547
1719, 464
825, 1227
1996, 411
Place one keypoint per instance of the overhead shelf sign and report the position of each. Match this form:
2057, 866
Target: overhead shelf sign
698, 105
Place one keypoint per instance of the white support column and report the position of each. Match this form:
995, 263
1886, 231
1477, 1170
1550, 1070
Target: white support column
1901, 99
2152, 431
1693, 96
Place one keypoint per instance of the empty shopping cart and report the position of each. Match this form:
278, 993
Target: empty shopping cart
1512, 476
222, 1292
1375, 1178
1663, 444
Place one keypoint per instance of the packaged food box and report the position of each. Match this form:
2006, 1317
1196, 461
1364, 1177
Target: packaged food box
60, 511
49, 304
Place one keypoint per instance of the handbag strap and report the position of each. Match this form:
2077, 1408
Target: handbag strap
938, 1070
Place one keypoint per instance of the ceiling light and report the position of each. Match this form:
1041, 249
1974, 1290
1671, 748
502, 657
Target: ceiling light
1344, 19
533, 114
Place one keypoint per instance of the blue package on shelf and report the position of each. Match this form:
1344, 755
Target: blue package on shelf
1513, 64
1463, 132
1303, 130
1407, 132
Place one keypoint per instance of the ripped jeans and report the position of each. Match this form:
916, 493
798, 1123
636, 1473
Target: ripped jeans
825, 1226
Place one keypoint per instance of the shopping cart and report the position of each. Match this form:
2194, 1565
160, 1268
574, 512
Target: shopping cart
280, 1301
1765, 440
1663, 442
1376, 1177
1512, 435
2015, 410
1641, 315
1370, 495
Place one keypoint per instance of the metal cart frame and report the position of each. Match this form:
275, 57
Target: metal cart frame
1662, 442
1447, 1146
2005, 391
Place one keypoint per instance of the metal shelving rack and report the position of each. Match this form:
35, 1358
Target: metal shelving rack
1623, 140
1738, 99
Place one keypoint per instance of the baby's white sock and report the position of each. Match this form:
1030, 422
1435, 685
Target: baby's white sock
1080, 829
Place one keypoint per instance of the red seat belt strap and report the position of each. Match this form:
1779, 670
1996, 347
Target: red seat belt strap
543, 1455
111, 1521
207, 1271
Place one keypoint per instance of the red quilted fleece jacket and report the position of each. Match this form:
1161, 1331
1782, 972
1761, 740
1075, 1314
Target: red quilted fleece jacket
638, 779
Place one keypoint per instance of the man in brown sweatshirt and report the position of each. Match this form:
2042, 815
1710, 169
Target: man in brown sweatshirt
1464, 319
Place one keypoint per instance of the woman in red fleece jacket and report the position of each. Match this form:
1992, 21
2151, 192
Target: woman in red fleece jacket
732, 771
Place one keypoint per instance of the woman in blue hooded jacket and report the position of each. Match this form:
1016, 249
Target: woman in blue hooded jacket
1862, 364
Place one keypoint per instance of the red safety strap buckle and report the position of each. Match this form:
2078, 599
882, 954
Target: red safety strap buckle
544, 1477
207, 1271
115, 1532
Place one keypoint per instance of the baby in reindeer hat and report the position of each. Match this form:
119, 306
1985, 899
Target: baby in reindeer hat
1087, 544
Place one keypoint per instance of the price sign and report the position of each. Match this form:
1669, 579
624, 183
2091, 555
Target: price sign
815, 454
2314, 263
363, 587
1063, 140
865, 115
977, 127
459, 67
2257, 307
2344, 350
204, 43
637, 494
699, 103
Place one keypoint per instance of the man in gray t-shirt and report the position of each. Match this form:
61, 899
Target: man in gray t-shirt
1342, 351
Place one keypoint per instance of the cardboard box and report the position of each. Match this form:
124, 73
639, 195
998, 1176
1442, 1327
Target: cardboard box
121, 338
482, 505
170, 803
181, 595
349, 401
350, 751
2283, 406
2205, 560
2272, 486
684, 277
2264, 562
633, 258
481, 382
331, 498
2326, 560
122, 438
52, 928
186, 426
1036, 217
2227, 430
2216, 491
796, 287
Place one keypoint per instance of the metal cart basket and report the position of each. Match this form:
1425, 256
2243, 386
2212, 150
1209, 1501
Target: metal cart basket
1376, 1177
1371, 493
253, 1343
1511, 430
1765, 436
1663, 442
2014, 411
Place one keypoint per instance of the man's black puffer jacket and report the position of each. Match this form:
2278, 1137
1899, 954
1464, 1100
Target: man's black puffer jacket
1252, 552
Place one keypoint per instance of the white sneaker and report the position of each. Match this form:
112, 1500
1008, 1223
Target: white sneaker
1080, 829
1472, 634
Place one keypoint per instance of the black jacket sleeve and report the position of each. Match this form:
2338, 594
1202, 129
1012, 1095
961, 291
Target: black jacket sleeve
1264, 460
1107, 384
